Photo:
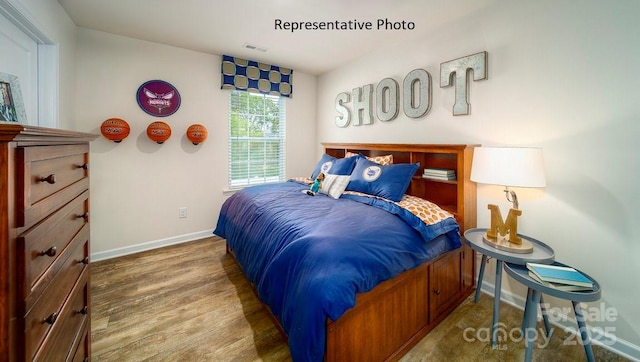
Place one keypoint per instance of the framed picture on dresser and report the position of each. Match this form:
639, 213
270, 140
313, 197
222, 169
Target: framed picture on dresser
11, 105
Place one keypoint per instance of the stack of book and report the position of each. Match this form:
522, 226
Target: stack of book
439, 174
559, 277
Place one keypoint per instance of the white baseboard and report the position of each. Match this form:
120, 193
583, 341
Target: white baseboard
618, 346
114, 253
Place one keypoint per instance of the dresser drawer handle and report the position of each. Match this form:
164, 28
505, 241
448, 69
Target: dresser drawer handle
84, 216
84, 166
51, 319
85, 261
436, 292
84, 310
49, 179
50, 252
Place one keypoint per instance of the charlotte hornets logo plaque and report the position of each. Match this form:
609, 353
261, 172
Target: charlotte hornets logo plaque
158, 98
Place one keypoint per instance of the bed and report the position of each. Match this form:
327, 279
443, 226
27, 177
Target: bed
357, 273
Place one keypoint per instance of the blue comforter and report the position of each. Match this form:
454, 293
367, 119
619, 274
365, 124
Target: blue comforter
308, 256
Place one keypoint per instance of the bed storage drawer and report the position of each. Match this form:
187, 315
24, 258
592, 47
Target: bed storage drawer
445, 283
50, 176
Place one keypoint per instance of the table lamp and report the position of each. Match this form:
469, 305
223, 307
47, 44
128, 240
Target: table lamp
508, 167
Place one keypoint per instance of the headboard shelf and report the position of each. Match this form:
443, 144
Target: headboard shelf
456, 196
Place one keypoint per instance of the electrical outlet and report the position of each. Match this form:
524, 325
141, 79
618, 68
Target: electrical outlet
182, 213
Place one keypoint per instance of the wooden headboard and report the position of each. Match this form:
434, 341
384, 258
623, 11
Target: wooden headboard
456, 196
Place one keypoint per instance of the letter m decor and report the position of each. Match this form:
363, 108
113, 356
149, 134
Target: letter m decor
500, 227
459, 68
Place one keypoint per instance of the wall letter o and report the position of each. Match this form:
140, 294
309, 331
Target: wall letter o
411, 109
387, 109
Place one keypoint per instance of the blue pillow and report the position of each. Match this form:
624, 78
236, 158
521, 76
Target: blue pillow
387, 181
337, 166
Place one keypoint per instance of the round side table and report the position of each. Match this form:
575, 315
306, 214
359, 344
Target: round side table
542, 253
535, 289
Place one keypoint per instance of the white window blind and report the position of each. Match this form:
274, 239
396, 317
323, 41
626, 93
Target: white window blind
256, 139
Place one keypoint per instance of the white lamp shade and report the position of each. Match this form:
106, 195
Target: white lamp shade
508, 166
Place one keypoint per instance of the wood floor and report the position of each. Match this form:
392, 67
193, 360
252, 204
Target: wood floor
190, 302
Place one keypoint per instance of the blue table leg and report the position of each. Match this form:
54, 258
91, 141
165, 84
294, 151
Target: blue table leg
526, 308
545, 318
480, 276
496, 304
582, 329
530, 317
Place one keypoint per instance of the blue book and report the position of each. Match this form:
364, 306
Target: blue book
559, 274
559, 286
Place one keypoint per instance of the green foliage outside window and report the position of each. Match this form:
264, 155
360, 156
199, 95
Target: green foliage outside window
256, 128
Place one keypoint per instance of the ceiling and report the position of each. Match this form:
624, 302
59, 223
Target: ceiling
225, 26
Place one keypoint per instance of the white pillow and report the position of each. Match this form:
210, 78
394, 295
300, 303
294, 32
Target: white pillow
334, 185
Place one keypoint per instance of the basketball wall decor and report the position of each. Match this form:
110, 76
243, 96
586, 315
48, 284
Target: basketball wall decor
158, 98
158, 131
115, 129
197, 133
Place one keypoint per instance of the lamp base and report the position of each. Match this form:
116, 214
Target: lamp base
503, 243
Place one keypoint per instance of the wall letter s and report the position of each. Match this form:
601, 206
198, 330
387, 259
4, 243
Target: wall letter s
345, 116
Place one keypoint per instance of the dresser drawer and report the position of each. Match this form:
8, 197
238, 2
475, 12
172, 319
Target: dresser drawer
49, 176
69, 265
42, 245
61, 342
83, 351
48, 309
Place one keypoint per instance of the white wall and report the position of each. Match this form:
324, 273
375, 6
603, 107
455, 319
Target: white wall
137, 186
561, 76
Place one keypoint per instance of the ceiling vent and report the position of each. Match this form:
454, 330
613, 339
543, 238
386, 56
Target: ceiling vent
254, 47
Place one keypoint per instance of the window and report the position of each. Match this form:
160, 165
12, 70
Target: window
256, 139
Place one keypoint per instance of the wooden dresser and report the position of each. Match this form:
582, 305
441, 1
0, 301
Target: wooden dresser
44, 248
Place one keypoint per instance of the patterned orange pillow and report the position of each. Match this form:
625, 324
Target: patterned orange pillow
427, 211
382, 160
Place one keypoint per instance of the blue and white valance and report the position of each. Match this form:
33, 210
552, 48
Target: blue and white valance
252, 76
